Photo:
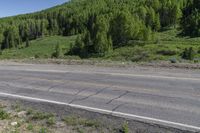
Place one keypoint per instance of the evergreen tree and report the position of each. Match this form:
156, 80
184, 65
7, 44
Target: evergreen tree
102, 41
190, 22
188, 54
124, 27
27, 42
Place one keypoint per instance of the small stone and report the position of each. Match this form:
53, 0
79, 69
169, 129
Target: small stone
13, 123
22, 114
59, 124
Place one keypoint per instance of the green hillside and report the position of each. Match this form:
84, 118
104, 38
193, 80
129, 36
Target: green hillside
39, 48
133, 30
167, 47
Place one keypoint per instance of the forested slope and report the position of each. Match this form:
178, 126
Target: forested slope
102, 25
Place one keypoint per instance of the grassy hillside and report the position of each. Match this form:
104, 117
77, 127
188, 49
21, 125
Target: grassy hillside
40, 48
168, 47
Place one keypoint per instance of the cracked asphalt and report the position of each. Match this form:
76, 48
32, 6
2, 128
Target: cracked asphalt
166, 94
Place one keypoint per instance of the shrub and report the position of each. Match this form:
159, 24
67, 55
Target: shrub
37, 56
125, 128
188, 54
58, 52
30, 127
166, 52
51, 121
196, 60
173, 60
198, 51
143, 56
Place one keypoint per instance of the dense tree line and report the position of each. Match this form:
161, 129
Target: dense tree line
101, 24
190, 22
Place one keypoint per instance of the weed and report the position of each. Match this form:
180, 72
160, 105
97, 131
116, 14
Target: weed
41, 116
80, 130
16, 107
73, 120
43, 130
3, 114
30, 127
51, 121
125, 128
29, 111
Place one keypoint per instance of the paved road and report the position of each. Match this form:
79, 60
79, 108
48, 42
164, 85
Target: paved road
162, 96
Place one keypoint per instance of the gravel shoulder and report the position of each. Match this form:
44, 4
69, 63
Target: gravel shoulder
106, 63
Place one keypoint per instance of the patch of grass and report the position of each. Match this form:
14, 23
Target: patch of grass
167, 45
51, 121
16, 107
125, 128
43, 130
40, 116
40, 48
80, 130
29, 111
30, 127
3, 114
74, 121
16, 131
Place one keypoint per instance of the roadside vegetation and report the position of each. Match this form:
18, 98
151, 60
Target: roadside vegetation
168, 46
17, 119
40, 48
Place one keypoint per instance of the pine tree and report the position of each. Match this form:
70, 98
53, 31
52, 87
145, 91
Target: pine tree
124, 27
27, 42
190, 22
102, 42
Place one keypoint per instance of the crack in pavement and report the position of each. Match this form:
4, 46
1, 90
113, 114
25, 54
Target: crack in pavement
114, 109
118, 97
53, 86
5, 84
80, 91
81, 99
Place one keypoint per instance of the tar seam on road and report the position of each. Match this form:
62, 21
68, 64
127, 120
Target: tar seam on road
114, 113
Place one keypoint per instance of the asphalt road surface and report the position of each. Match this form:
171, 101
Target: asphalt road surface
170, 97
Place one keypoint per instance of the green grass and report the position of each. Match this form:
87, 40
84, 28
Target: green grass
73, 120
167, 46
41, 116
3, 114
40, 48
